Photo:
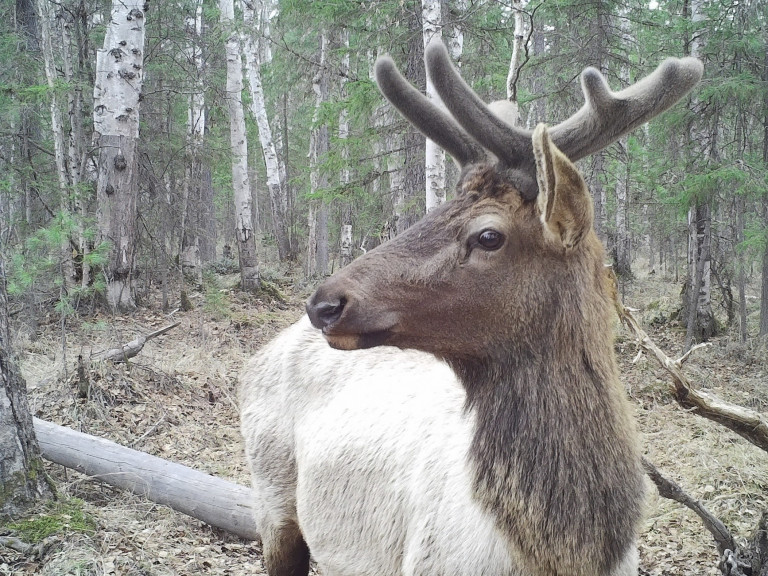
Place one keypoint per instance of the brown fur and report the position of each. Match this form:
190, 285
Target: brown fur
506, 284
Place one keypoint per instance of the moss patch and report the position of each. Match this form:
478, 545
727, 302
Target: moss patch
57, 517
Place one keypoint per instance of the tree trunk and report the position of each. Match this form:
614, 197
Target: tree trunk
275, 173
513, 73
246, 242
742, 273
213, 500
22, 481
319, 146
189, 230
764, 294
49, 26
537, 111
701, 320
434, 167
621, 254
345, 238
116, 97
764, 279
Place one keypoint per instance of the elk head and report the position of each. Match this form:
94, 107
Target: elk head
485, 271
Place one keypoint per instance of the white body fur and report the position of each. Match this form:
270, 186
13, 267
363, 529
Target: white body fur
367, 451
372, 458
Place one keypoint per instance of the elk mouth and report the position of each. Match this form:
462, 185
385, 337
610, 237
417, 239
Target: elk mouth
348, 326
356, 341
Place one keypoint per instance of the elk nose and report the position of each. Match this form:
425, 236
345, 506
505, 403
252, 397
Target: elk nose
324, 312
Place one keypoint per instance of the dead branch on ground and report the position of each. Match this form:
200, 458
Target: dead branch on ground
745, 422
133, 347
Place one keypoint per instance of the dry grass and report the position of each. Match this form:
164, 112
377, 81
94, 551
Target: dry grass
177, 400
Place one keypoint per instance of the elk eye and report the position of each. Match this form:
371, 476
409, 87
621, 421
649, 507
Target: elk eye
490, 239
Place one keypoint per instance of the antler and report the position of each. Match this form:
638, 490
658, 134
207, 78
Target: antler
422, 112
604, 118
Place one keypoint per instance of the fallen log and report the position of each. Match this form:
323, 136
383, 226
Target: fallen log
215, 501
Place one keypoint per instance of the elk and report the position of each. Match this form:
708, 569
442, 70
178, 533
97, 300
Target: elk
467, 417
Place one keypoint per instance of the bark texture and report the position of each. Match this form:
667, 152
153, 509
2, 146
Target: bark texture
116, 97
246, 243
21, 478
434, 167
275, 173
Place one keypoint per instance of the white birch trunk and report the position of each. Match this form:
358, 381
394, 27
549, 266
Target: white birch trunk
435, 156
48, 28
456, 39
191, 262
319, 144
246, 243
514, 63
119, 80
345, 238
275, 174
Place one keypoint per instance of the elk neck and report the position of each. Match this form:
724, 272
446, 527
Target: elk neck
553, 453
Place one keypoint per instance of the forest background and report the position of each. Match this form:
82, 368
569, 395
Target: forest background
151, 150
252, 135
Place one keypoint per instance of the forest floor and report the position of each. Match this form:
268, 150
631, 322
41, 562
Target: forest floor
177, 400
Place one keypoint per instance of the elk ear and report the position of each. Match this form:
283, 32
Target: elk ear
563, 200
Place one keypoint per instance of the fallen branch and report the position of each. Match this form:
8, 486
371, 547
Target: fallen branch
669, 489
134, 346
735, 560
215, 501
745, 422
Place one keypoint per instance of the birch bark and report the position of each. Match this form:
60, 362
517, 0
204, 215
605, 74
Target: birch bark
319, 145
191, 260
116, 97
49, 27
246, 243
514, 63
275, 173
345, 240
435, 156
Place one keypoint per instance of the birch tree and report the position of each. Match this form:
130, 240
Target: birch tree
317, 252
275, 173
345, 240
435, 156
191, 261
116, 97
244, 234
49, 27
513, 74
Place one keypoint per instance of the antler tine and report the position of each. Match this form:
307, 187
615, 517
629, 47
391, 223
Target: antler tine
607, 115
424, 114
511, 145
